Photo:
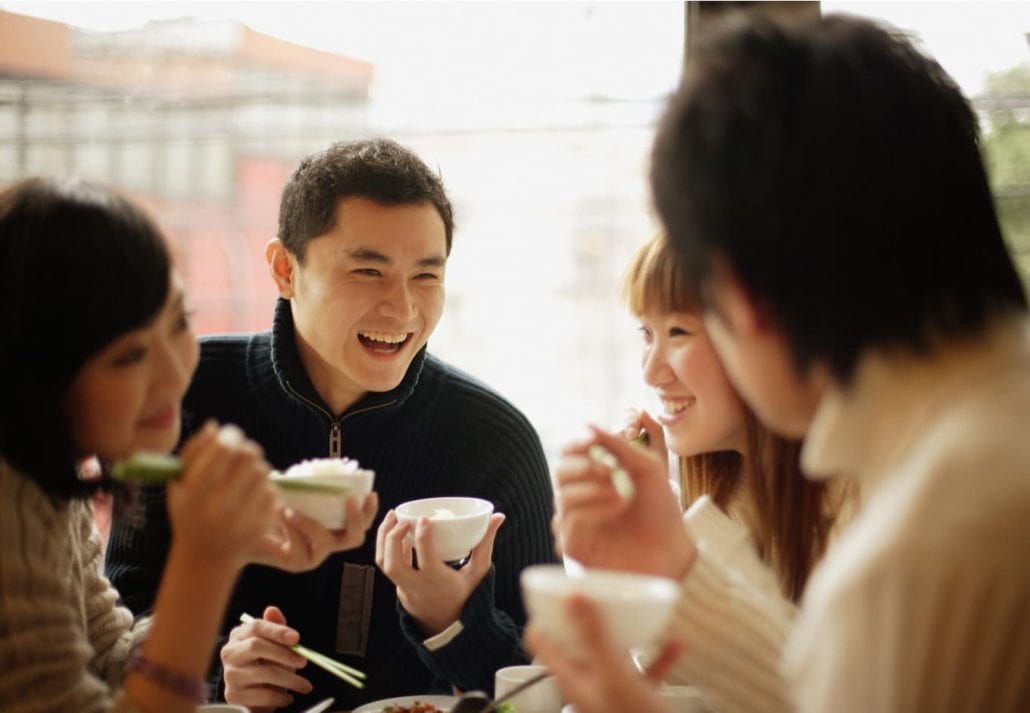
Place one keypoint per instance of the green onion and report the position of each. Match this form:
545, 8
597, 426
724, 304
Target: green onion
147, 467
152, 468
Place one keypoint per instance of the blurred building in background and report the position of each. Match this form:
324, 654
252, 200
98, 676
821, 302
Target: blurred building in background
202, 122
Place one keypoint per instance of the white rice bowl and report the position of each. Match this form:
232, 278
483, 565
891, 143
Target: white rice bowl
320, 488
458, 524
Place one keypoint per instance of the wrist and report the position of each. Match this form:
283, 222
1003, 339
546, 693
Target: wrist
209, 564
195, 584
167, 678
437, 623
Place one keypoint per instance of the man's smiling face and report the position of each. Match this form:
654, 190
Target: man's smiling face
366, 297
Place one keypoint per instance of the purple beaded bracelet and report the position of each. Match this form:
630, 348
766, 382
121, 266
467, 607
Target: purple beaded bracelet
178, 683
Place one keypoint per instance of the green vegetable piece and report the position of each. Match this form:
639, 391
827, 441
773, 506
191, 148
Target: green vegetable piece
145, 467
506, 707
642, 439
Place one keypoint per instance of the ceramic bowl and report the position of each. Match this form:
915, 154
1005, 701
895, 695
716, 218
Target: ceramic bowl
458, 524
320, 488
634, 607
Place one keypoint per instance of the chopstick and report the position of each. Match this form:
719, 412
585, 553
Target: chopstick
341, 670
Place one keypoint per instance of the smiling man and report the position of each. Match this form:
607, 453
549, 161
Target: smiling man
365, 230
365, 296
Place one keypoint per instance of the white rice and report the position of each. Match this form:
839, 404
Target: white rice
323, 466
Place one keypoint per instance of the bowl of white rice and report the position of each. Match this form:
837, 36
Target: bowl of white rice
320, 488
457, 524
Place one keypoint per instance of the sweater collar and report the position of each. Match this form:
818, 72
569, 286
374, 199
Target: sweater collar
865, 430
293, 378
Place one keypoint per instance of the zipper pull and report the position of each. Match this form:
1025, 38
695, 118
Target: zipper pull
335, 449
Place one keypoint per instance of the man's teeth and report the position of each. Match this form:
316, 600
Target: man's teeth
673, 406
385, 337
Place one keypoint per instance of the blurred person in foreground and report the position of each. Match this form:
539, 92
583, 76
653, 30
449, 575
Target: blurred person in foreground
365, 230
825, 189
98, 368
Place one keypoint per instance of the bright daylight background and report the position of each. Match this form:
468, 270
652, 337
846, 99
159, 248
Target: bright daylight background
538, 115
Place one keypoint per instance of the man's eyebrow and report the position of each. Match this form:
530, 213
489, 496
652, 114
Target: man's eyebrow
434, 261
370, 255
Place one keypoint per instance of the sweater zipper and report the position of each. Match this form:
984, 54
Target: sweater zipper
335, 440
335, 432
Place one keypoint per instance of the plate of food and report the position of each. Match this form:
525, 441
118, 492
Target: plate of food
410, 704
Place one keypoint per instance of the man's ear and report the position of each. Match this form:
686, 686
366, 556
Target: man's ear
281, 265
732, 301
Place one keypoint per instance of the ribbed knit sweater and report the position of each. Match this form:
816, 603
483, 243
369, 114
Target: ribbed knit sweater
923, 604
63, 640
439, 433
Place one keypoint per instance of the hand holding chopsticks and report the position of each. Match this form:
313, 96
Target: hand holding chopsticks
342, 671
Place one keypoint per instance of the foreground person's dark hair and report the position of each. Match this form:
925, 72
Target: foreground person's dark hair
79, 266
838, 171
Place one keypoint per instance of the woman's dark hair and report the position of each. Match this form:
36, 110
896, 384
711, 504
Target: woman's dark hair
793, 516
79, 266
378, 169
838, 170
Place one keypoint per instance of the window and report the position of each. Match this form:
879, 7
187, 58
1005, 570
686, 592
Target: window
538, 115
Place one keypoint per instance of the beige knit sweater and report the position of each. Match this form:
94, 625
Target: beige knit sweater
924, 602
63, 640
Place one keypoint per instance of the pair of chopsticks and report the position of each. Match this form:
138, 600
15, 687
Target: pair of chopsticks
342, 671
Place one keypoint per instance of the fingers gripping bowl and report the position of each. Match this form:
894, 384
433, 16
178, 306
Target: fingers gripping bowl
458, 524
634, 607
319, 488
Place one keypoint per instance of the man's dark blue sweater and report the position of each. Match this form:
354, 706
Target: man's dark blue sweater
440, 432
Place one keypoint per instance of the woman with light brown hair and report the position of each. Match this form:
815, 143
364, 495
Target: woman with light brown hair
749, 511
721, 449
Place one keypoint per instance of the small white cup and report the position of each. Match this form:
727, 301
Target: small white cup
541, 697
